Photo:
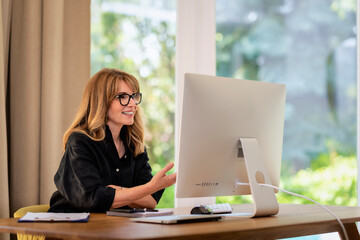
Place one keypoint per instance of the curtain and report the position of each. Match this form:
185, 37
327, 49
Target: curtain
4, 177
48, 67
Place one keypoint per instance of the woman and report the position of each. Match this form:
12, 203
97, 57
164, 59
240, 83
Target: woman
105, 164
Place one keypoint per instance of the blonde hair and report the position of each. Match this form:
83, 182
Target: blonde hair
91, 116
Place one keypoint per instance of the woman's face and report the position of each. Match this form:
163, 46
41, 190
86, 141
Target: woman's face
118, 114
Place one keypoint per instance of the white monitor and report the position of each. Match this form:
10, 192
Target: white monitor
216, 112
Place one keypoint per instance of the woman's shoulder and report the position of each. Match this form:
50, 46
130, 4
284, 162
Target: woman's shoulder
78, 138
142, 156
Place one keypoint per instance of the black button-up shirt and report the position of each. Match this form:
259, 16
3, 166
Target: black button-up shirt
88, 166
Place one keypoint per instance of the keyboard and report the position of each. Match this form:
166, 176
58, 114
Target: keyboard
220, 208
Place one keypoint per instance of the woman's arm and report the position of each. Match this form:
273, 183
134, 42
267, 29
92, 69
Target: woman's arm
140, 196
123, 197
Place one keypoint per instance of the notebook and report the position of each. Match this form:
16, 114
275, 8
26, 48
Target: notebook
174, 219
54, 217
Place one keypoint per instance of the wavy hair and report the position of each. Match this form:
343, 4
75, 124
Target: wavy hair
91, 116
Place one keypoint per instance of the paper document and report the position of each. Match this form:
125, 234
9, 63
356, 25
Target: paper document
54, 217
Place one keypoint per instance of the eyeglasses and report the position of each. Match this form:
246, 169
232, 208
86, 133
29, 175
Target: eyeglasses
124, 98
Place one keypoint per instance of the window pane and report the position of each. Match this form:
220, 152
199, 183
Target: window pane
311, 47
139, 37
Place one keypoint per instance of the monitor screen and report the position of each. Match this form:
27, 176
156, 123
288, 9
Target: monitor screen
216, 112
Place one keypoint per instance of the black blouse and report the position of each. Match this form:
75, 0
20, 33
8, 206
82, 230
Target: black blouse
88, 166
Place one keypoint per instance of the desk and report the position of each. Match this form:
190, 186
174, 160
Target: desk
292, 221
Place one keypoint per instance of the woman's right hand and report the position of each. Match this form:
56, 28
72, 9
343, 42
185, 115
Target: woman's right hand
161, 180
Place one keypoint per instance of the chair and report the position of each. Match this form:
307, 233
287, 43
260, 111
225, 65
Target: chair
22, 211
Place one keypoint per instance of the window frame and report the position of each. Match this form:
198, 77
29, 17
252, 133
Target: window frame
195, 53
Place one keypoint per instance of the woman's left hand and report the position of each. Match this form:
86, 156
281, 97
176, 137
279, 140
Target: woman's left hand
161, 180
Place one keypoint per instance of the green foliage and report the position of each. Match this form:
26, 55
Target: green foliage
167, 200
331, 180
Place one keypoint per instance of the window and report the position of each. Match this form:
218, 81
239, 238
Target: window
139, 37
311, 47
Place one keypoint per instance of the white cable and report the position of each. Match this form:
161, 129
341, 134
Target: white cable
298, 195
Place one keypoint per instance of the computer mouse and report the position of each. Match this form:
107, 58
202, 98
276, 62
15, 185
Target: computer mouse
200, 209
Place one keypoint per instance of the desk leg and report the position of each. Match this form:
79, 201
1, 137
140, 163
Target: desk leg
351, 230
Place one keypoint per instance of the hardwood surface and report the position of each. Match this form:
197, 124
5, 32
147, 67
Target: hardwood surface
292, 221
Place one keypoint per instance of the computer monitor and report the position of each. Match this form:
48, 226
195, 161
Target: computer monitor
231, 131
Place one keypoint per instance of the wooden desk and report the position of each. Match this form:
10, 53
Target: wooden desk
292, 221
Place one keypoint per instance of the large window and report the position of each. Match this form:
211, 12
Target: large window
139, 37
308, 45
311, 47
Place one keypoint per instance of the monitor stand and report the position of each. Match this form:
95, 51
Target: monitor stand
265, 202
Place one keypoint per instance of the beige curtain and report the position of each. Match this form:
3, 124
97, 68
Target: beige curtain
4, 177
49, 65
